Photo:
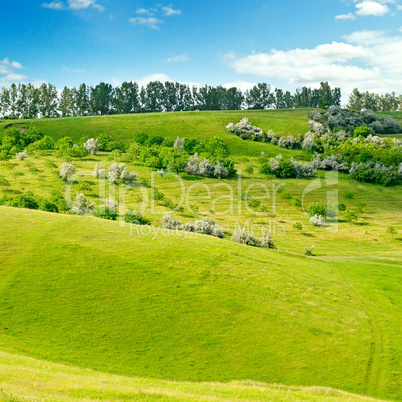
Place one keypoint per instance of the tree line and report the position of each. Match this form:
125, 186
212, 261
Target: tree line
374, 102
28, 101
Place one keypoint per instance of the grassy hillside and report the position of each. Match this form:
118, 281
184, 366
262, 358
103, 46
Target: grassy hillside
23, 378
184, 124
210, 197
83, 291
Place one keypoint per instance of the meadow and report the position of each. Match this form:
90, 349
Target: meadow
190, 310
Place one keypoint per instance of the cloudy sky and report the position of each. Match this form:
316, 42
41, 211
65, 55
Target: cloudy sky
287, 43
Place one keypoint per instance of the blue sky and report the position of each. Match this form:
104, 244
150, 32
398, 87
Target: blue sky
285, 43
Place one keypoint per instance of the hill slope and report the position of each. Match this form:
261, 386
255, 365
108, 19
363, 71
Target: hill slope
83, 291
182, 124
24, 378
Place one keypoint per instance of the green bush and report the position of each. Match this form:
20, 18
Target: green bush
362, 131
141, 138
136, 218
45, 205
103, 141
298, 226
253, 203
249, 170
20, 201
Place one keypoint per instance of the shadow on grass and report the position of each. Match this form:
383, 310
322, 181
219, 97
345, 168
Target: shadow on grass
12, 191
308, 234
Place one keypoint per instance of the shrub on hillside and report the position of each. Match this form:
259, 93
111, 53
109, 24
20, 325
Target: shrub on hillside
169, 222
361, 131
317, 220
245, 130
20, 201
82, 205
205, 168
21, 155
136, 218
118, 173
67, 170
372, 172
309, 251
103, 141
48, 206
99, 170
243, 237
205, 225
91, 145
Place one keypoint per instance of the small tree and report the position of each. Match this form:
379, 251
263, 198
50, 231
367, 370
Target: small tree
309, 251
111, 205
317, 220
298, 226
119, 172
66, 170
21, 155
362, 131
169, 222
179, 143
99, 170
81, 205
91, 146
350, 216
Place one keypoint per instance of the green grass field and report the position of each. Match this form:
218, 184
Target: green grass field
173, 306
23, 378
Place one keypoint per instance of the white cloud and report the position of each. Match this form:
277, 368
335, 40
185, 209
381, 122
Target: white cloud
73, 71
147, 11
349, 16
170, 11
178, 59
367, 60
288, 64
142, 82
74, 5
150, 22
7, 71
371, 8
13, 64
55, 5
12, 77
242, 85
400, 29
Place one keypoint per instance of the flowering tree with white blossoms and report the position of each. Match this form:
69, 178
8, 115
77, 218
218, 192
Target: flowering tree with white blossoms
111, 205
91, 146
309, 142
317, 127
246, 130
317, 220
99, 170
179, 143
120, 172
243, 237
21, 155
66, 170
82, 205
205, 168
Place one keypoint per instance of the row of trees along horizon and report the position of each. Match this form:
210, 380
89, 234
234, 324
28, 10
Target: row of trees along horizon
28, 101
